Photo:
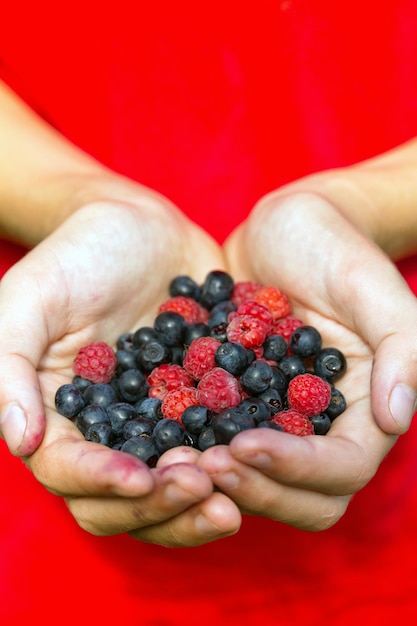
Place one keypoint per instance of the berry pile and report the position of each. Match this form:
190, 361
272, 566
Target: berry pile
220, 358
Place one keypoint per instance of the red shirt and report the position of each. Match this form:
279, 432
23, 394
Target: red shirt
214, 107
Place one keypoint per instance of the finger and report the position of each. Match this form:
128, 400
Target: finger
214, 518
259, 494
176, 488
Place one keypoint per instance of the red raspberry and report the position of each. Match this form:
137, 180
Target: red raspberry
243, 291
95, 362
199, 357
218, 390
308, 394
254, 309
275, 301
176, 401
247, 330
293, 422
167, 377
191, 310
286, 326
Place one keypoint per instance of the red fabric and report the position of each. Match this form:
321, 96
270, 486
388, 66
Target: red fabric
214, 107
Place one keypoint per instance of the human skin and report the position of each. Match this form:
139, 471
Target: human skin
78, 284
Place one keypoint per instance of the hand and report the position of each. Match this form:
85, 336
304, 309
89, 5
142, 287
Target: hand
104, 271
344, 285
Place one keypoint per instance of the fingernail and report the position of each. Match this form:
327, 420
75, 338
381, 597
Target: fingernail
13, 426
228, 480
403, 405
204, 527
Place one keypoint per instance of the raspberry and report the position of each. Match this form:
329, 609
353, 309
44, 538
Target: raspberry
274, 300
191, 310
247, 330
243, 291
176, 401
167, 377
254, 309
308, 394
218, 390
293, 422
95, 362
199, 357
285, 327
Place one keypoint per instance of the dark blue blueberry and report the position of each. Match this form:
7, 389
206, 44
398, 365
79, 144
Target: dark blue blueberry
273, 400
119, 413
143, 448
256, 408
215, 319
330, 364
69, 400
125, 342
305, 341
152, 354
91, 414
149, 408
219, 332
170, 328
232, 357
195, 417
177, 355
126, 360
81, 383
206, 438
184, 286
226, 306
321, 424
195, 330
279, 380
275, 347
269, 424
292, 365
143, 335
101, 394
132, 385
337, 404
257, 377
137, 426
230, 423
217, 287
167, 434
100, 432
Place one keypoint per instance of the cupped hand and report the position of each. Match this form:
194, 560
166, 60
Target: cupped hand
104, 271
344, 285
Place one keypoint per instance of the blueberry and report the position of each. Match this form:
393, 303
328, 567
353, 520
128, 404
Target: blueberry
126, 360
219, 332
269, 424
229, 423
194, 418
195, 330
119, 413
125, 342
91, 414
152, 354
226, 306
167, 434
100, 432
206, 438
101, 394
81, 383
217, 287
170, 328
143, 448
184, 286
292, 365
275, 347
232, 357
321, 424
256, 408
279, 380
305, 341
215, 319
132, 385
330, 364
137, 426
177, 355
337, 404
143, 335
257, 377
69, 400
149, 408
273, 400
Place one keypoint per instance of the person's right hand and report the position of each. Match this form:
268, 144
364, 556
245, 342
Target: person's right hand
104, 271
